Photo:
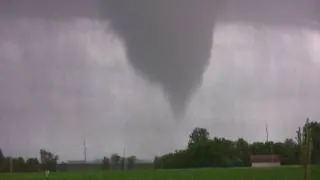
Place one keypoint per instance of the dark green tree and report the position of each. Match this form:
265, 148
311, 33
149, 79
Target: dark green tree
1, 159
5, 166
32, 164
203, 151
288, 151
305, 143
63, 166
262, 148
243, 150
18, 165
315, 136
105, 163
48, 160
198, 135
115, 160
157, 162
1, 155
131, 162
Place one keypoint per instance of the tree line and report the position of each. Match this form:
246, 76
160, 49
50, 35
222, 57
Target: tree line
203, 151
49, 161
19, 164
118, 162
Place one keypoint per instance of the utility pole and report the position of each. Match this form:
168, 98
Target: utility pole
11, 166
124, 159
267, 133
10, 157
267, 139
84, 150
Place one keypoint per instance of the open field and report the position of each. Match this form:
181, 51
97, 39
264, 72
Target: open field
282, 173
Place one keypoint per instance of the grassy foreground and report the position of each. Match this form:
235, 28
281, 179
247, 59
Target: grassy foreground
281, 173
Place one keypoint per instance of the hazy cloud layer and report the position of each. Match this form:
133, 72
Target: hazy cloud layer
65, 80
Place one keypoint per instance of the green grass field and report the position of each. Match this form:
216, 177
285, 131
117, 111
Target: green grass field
282, 173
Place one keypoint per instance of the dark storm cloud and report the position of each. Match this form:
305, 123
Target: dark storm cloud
49, 9
285, 13
169, 42
266, 12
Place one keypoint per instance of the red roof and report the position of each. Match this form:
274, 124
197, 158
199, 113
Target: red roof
264, 158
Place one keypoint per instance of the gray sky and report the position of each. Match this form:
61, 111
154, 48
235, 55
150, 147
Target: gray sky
63, 80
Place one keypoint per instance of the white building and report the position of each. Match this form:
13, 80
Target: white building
265, 161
